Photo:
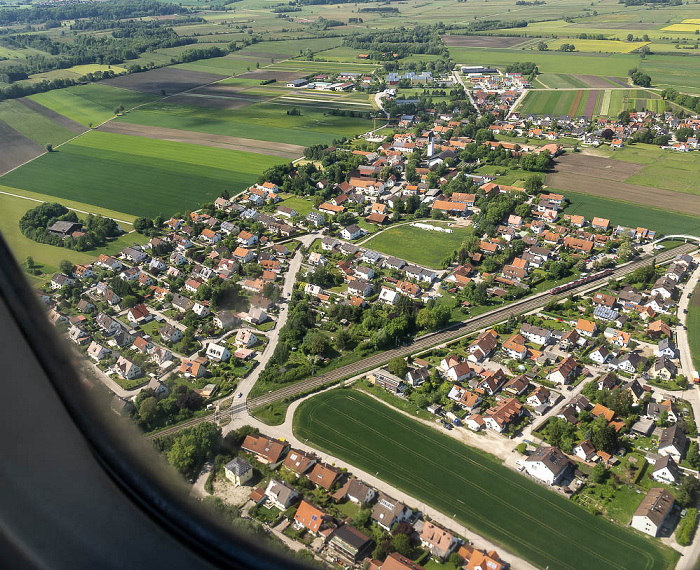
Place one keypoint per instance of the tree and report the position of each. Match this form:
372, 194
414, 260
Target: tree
49, 147
398, 366
456, 560
522, 448
688, 490
315, 343
662, 421
533, 185
683, 133
401, 544
29, 262
599, 473
66, 267
693, 456
542, 46
143, 225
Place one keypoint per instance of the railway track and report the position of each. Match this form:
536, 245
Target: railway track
425, 342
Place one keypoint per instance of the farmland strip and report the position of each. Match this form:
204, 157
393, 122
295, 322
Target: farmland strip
591, 103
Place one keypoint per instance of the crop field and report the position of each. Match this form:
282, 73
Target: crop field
693, 326
590, 102
419, 246
673, 71
15, 148
227, 65
689, 25
665, 169
606, 46
630, 215
33, 125
478, 491
90, 104
608, 178
139, 176
166, 80
262, 121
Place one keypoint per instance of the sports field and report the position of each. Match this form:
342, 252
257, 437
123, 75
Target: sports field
92, 103
139, 176
498, 503
423, 247
261, 121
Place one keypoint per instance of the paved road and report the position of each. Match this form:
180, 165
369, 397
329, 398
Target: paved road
681, 333
461, 329
468, 90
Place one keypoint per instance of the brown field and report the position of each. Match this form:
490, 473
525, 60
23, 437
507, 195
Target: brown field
593, 81
482, 41
15, 148
65, 122
605, 177
164, 78
230, 91
291, 151
618, 81
271, 74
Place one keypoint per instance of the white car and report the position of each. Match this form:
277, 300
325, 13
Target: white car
240, 395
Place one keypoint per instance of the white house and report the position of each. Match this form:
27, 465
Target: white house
389, 296
218, 352
653, 511
666, 471
548, 464
245, 338
351, 232
585, 450
127, 369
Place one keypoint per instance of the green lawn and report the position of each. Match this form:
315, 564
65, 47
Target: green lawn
93, 103
498, 503
302, 206
260, 121
424, 247
32, 125
139, 176
693, 326
631, 215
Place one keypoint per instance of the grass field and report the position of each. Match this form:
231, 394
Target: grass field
631, 215
32, 125
92, 103
590, 102
424, 247
139, 176
498, 503
260, 121
48, 256
664, 169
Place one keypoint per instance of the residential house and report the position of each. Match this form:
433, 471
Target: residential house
98, 352
565, 371
127, 369
586, 328
666, 348
673, 442
357, 492
666, 470
299, 462
280, 494
538, 335
387, 511
309, 517
483, 346
600, 355
349, 545
266, 449
663, 368
503, 414
515, 347
324, 475
653, 511
238, 471
192, 369
170, 333
585, 450
538, 397
218, 352
548, 464
440, 542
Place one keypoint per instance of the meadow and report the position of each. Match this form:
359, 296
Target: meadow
139, 176
475, 488
419, 246
92, 103
32, 125
606, 46
261, 121
630, 215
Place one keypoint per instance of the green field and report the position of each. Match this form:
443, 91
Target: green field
692, 323
260, 121
32, 125
494, 501
631, 215
48, 256
609, 46
676, 171
139, 176
92, 103
608, 102
419, 246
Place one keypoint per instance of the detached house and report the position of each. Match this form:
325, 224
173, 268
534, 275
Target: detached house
387, 511
440, 542
548, 464
673, 442
653, 511
564, 372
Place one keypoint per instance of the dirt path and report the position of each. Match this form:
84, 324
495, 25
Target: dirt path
205, 139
